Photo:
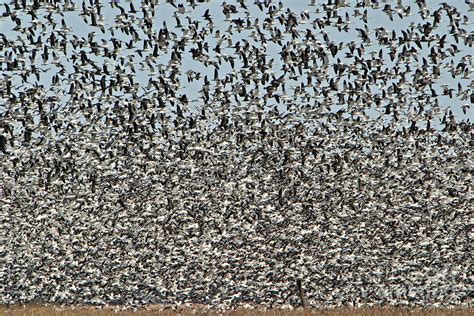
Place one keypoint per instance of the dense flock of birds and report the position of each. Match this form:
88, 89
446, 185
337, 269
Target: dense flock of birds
236, 153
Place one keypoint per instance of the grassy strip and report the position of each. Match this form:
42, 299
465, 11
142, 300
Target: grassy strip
169, 310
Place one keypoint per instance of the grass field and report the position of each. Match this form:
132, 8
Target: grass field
160, 310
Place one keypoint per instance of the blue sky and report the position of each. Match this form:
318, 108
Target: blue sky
165, 14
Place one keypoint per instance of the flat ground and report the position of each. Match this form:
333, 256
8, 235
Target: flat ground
161, 310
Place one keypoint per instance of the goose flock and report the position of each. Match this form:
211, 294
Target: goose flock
239, 153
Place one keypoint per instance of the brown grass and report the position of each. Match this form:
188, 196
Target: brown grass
168, 310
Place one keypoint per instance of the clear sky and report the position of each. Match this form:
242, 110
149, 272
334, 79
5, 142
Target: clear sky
165, 13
